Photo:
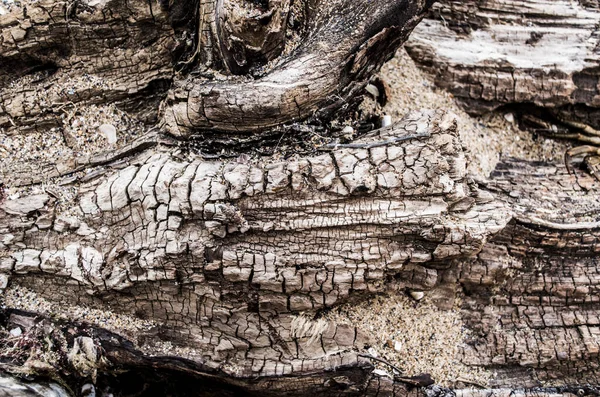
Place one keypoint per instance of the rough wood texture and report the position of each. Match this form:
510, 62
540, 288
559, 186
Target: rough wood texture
224, 254
103, 52
532, 293
326, 69
504, 52
222, 257
53, 54
216, 272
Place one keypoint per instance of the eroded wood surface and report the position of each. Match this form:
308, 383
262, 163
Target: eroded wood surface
222, 257
105, 52
215, 250
219, 270
495, 53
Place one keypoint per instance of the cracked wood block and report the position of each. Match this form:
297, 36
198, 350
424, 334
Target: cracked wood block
225, 264
223, 256
503, 52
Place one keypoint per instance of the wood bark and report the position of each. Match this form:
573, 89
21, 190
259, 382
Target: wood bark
209, 272
225, 278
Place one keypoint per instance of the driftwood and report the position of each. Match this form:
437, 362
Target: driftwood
324, 68
228, 278
211, 271
537, 60
224, 255
521, 55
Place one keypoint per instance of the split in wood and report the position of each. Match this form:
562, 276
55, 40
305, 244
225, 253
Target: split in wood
371, 145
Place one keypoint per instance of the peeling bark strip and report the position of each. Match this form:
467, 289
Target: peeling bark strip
493, 53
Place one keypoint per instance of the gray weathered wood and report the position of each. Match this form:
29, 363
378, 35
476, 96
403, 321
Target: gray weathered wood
525, 53
176, 268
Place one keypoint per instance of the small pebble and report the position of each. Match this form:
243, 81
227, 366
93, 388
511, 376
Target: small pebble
3, 279
417, 295
88, 390
381, 372
373, 352
16, 332
510, 118
110, 132
386, 121
397, 345
373, 90
348, 130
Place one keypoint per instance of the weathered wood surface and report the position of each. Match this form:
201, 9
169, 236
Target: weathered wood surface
528, 55
503, 52
53, 54
532, 292
104, 52
215, 270
336, 55
224, 272
223, 254
58, 60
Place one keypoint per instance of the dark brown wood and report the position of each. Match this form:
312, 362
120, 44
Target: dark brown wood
342, 44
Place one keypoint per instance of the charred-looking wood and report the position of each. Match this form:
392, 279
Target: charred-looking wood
317, 60
252, 33
494, 53
228, 269
321, 73
63, 61
60, 54
217, 270
211, 257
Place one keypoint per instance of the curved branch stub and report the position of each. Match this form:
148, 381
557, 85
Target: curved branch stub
324, 65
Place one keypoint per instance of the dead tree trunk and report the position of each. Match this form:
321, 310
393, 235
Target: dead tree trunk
203, 251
